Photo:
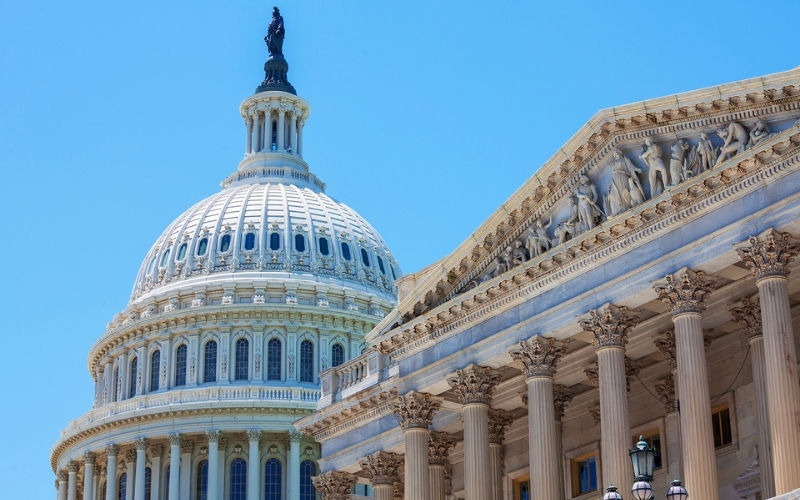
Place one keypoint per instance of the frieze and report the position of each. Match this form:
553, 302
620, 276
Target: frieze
364, 411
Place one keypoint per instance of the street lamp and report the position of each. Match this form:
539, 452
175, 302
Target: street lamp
677, 491
642, 459
611, 493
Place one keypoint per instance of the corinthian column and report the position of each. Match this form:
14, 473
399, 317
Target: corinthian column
212, 490
539, 357
72, 481
439, 446
415, 412
111, 471
88, 474
770, 256
63, 484
334, 485
686, 292
561, 398
499, 421
253, 465
610, 326
141, 462
382, 468
174, 465
293, 474
474, 386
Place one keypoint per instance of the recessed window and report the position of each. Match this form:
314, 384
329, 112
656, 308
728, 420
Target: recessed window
210, 362
364, 258
653, 440
721, 423
132, 382
275, 241
584, 474
148, 482
522, 488
151, 266
164, 258
272, 479
122, 489
241, 371
323, 246
238, 480
202, 480
380, 264
202, 247
180, 365
307, 361
274, 359
182, 252
337, 355
225, 243
155, 361
346, 251
300, 243
249, 241
308, 469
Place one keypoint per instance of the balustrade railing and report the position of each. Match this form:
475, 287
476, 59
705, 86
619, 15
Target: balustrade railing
350, 377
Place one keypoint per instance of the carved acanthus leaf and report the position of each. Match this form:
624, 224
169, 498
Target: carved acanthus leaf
685, 291
334, 485
416, 410
561, 398
499, 421
474, 384
539, 355
769, 254
610, 325
748, 315
382, 467
439, 446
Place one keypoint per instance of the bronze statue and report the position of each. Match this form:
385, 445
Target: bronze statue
275, 34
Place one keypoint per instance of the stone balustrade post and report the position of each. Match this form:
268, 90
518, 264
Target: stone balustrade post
383, 469
414, 412
334, 485
439, 446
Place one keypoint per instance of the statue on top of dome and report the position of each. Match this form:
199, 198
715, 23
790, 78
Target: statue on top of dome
275, 34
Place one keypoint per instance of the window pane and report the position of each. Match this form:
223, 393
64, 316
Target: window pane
210, 362
337, 355
307, 470
238, 480
202, 247
274, 241
587, 475
201, 485
151, 266
364, 257
242, 360
380, 264
164, 258
306, 361
346, 251
274, 359
225, 243
122, 490
180, 365
250, 241
148, 481
132, 382
299, 242
272, 480
323, 246
155, 363
182, 252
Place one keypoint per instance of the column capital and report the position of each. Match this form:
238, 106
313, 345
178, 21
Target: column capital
175, 439
439, 446
63, 475
295, 436
666, 393
539, 355
73, 466
474, 384
685, 291
334, 485
748, 314
499, 422
561, 398
213, 436
187, 446
610, 325
156, 450
415, 410
140, 443
665, 343
89, 457
769, 254
253, 435
112, 449
592, 372
631, 371
130, 455
382, 467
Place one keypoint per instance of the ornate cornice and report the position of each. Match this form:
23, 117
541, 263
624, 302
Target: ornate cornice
382, 467
748, 314
499, 421
685, 291
474, 384
539, 355
439, 446
365, 410
561, 398
416, 410
769, 254
610, 325
334, 485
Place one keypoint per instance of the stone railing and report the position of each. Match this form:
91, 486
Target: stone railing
350, 377
200, 395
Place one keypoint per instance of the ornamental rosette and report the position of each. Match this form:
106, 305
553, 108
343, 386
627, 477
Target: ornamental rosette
610, 325
748, 315
770, 254
439, 446
685, 291
474, 384
539, 355
382, 467
499, 422
334, 485
416, 410
561, 398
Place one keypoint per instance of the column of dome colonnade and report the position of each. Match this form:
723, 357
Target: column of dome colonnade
770, 256
610, 326
334, 485
748, 314
414, 412
293, 475
72, 481
254, 439
111, 465
383, 470
685, 292
499, 422
88, 474
439, 446
265, 111
561, 398
63, 484
474, 386
539, 357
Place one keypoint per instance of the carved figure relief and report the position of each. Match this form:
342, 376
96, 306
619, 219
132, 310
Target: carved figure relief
625, 190
537, 241
759, 134
589, 214
736, 139
657, 171
678, 170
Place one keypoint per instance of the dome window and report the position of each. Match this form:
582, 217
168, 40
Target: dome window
202, 247
164, 258
182, 252
337, 355
249, 241
133, 378
300, 243
323, 246
364, 257
180, 365
346, 251
274, 359
210, 362
394, 276
225, 243
155, 362
306, 361
380, 264
275, 241
152, 266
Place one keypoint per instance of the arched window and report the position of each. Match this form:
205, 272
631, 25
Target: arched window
210, 362
182, 252
180, 365
241, 371
300, 243
164, 258
155, 362
274, 359
324, 249
148, 483
249, 241
132, 381
346, 251
364, 257
225, 243
337, 355
239, 480
272, 480
202, 247
122, 489
308, 469
201, 484
380, 264
275, 241
307, 361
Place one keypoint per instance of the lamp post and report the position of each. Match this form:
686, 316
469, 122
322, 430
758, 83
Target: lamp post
677, 491
642, 459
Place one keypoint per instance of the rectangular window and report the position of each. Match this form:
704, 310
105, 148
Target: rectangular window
522, 488
584, 474
721, 424
653, 440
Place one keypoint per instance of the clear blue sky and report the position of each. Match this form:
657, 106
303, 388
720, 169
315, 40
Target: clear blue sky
117, 116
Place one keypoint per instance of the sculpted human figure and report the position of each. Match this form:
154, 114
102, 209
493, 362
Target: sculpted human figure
520, 255
544, 243
677, 170
625, 190
507, 259
736, 139
587, 204
275, 33
652, 157
705, 153
759, 133
562, 232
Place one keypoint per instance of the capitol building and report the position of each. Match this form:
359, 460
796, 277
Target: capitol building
641, 288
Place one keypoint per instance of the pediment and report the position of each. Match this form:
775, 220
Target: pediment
490, 260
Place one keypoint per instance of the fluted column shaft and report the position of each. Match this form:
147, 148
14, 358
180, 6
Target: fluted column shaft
559, 460
496, 471
697, 442
476, 451
416, 474
174, 466
383, 492
111, 472
615, 425
437, 482
213, 465
253, 466
141, 462
544, 462
88, 476
63, 486
762, 410
783, 395
293, 475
